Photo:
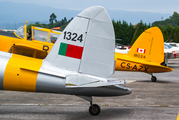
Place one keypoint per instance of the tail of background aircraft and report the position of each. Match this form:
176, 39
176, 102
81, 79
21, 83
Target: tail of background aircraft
87, 44
149, 46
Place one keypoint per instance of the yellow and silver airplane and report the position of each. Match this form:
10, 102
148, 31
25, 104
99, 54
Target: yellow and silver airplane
146, 54
79, 63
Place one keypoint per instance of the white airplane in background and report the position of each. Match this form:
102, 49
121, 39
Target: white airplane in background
174, 50
173, 44
123, 50
79, 63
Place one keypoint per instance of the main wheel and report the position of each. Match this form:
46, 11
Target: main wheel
153, 79
94, 109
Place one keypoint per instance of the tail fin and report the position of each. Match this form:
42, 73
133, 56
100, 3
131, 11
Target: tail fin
149, 46
87, 44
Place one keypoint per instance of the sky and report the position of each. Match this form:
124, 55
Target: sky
155, 6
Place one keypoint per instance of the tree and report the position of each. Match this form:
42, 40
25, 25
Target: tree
137, 34
52, 18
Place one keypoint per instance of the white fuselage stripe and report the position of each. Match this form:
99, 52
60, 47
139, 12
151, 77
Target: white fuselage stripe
4, 58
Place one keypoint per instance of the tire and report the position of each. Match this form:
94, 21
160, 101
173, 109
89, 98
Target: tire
94, 110
153, 79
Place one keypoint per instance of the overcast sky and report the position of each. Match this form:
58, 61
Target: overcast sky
156, 6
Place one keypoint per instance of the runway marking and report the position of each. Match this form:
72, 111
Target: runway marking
178, 117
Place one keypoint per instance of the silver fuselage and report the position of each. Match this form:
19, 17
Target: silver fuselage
51, 79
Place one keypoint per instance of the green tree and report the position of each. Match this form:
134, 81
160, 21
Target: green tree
168, 33
140, 28
136, 35
52, 18
123, 32
172, 20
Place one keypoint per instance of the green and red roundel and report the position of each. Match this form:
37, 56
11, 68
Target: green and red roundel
70, 50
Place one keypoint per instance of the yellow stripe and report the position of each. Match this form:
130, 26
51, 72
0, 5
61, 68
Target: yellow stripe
19, 79
178, 117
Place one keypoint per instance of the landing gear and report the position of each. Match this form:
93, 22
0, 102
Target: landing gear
153, 79
94, 109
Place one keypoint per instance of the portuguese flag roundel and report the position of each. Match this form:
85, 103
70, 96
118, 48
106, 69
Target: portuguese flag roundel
70, 50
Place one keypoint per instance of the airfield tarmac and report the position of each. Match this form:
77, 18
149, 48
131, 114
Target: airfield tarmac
148, 100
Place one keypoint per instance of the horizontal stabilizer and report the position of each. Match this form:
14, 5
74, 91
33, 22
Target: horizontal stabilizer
96, 83
82, 79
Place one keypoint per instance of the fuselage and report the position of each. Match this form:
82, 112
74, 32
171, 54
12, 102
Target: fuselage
126, 63
21, 73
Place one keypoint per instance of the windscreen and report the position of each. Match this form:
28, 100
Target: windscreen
53, 37
169, 46
40, 35
20, 32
